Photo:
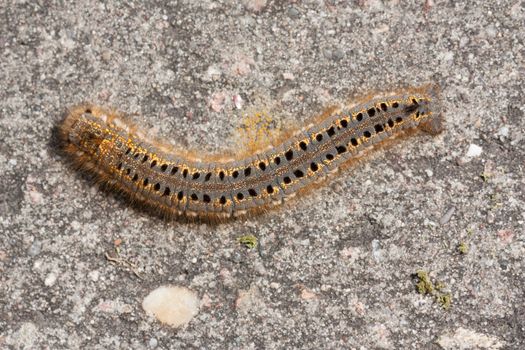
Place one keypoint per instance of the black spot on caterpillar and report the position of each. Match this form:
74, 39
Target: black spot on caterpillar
176, 184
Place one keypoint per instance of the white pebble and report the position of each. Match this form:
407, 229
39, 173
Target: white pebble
175, 306
94, 275
503, 132
275, 285
212, 73
153, 343
377, 252
238, 101
474, 151
464, 338
50, 279
288, 76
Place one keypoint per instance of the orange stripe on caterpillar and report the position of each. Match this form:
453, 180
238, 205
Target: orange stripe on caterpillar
175, 184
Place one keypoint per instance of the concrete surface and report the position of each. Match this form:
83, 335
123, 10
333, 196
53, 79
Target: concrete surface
336, 269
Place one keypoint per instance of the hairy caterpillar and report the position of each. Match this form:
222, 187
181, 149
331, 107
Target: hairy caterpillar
174, 183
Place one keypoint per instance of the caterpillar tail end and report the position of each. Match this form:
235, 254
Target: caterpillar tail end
436, 123
433, 126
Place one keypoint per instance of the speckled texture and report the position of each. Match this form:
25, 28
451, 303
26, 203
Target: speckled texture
333, 270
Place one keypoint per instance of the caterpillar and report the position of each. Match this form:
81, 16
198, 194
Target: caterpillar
174, 183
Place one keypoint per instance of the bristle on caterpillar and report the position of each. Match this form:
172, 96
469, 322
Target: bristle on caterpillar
175, 183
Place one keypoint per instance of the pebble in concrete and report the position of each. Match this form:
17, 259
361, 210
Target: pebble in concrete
175, 306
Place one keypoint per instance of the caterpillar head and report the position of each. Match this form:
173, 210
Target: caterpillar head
84, 131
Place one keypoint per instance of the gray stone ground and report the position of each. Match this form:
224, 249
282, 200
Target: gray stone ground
333, 270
